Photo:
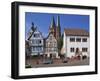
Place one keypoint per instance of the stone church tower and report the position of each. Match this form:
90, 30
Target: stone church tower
55, 29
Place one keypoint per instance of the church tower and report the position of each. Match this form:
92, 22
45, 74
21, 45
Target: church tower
58, 28
55, 29
52, 28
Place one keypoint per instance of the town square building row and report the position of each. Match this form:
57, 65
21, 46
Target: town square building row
75, 41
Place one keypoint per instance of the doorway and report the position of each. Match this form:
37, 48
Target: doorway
77, 50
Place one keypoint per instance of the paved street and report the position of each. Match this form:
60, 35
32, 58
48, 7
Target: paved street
57, 62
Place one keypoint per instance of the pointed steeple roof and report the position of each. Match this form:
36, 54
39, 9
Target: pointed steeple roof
32, 26
58, 21
53, 23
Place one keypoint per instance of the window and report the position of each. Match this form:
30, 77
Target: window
78, 39
36, 35
84, 49
84, 40
72, 39
50, 37
55, 49
36, 48
39, 48
39, 41
36, 41
33, 48
33, 41
50, 44
71, 49
55, 45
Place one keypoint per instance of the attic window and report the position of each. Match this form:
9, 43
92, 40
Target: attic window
36, 35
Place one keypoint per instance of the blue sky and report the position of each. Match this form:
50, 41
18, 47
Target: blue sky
43, 21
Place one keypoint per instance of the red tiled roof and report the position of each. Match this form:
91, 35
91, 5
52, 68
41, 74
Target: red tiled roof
76, 32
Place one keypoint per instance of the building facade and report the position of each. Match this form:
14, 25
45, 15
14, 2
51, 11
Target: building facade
36, 43
51, 49
76, 42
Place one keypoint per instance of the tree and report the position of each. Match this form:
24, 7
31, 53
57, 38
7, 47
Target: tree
60, 44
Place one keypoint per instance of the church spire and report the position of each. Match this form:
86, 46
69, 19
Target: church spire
58, 21
58, 29
53, 23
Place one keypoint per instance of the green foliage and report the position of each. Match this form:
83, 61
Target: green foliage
60, 44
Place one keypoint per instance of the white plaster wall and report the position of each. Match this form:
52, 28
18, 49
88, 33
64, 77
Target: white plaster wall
79, 45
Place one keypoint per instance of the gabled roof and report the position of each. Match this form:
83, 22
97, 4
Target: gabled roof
76, 32
33, 29
49, 35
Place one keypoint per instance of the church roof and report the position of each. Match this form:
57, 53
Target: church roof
76, 32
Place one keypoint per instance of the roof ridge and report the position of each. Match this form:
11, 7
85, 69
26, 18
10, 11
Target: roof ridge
76, 31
